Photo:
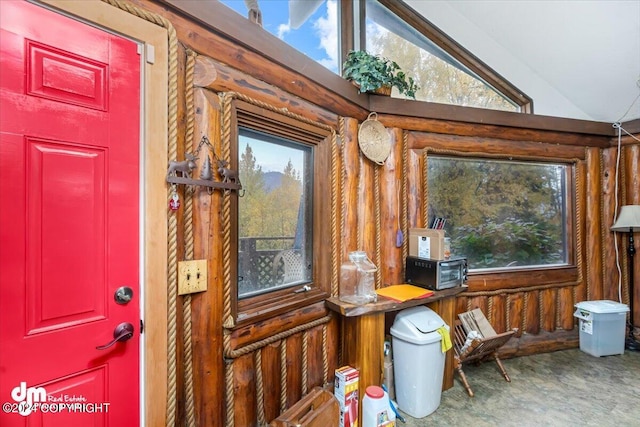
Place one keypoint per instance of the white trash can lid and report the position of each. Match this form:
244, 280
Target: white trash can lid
602, 306
417, 325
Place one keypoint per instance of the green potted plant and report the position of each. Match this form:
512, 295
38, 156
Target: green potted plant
372, 73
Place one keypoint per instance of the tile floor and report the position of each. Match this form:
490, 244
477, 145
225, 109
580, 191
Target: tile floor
563, 388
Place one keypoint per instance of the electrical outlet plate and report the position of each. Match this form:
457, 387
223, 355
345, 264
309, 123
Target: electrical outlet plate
192, 276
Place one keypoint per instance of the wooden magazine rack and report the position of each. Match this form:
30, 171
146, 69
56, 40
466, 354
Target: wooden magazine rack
477, 349
319, 408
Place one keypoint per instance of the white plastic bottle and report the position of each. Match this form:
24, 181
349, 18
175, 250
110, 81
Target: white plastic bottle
376, 409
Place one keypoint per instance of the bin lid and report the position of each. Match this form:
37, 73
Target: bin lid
602, 306
417, 325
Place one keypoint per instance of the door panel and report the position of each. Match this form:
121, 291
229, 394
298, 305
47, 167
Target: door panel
69, 164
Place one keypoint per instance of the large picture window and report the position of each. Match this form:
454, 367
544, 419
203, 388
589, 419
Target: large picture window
502, 214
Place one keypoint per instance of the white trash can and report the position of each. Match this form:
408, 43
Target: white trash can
418, 360
602, 326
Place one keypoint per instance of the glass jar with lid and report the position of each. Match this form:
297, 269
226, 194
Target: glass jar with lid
357, 284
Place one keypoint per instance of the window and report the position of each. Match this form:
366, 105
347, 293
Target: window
502, 214
311, 26
326, 30
275, 216
280, 220
441, 77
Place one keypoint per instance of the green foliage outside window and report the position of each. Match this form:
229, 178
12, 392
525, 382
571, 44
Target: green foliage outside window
440, 78
271, 214
500, 213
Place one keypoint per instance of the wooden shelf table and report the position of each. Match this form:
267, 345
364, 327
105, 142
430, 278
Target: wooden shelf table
363, 328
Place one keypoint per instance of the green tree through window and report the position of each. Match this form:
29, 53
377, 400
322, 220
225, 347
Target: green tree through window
441, 78
271, 216
501, 213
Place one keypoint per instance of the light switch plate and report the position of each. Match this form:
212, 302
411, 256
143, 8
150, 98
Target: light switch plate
192, 276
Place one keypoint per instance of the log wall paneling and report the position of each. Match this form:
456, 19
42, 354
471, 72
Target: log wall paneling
566, 308
499, 310
294, 369
532, 313
366, 225
315, 370
515, 305
390, 193
271, 378
206, 307
593, 243
390, 181
548, 309
244, 390
481, 302
415, 187
350, 186
608, 215
461, 304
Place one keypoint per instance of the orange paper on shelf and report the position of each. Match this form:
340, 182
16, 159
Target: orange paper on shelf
402, 293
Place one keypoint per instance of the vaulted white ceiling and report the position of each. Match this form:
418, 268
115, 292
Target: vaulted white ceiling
575, 58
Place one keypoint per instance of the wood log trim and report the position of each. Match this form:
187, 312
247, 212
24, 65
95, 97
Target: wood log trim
544, 342
234, 40
470, 293
245, 335
416, 115
244, 45
214, 75
283, 335
508, 280
491, 146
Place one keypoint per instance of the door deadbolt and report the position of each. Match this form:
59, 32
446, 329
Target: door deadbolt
123, 295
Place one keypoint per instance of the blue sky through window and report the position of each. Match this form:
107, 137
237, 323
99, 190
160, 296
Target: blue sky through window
316, 37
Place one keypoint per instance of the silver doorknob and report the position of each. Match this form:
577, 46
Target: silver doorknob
123, 295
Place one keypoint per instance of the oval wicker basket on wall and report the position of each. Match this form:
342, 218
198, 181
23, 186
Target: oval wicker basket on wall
374, 140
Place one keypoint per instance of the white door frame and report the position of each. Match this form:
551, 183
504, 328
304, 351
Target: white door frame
153, 192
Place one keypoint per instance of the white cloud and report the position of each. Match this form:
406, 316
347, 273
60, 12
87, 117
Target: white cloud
283, 29
327, 30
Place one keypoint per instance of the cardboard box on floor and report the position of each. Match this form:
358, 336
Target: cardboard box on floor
426, 243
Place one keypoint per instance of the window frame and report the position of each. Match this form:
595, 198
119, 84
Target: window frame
268, 304
352, 16
524, 276
450, 46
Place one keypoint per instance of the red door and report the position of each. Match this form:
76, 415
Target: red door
69, 221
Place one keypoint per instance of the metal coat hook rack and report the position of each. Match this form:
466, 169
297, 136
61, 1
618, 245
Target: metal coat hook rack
179, 172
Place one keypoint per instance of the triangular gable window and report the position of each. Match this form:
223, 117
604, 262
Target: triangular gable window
394, 31
325, 29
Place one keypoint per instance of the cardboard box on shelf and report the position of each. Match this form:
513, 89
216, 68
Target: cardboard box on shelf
426, 243
346, 391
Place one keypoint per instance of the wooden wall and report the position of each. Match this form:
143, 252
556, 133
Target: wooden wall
246, 376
